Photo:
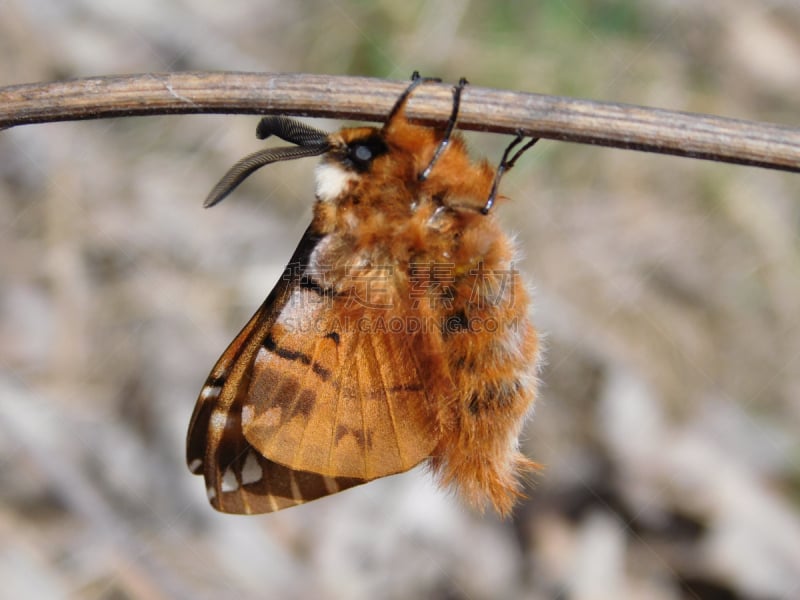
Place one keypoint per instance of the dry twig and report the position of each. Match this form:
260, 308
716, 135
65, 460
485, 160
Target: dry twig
559, 118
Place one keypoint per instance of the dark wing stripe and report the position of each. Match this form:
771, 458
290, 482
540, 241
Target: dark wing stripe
212, 382
292, 355
321, 371
270, 345
304, 381
325, 375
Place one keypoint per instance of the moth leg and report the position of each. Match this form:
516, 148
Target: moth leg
451, 123
505, 164
399, 105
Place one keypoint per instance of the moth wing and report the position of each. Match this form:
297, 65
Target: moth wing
338, 399
238, 478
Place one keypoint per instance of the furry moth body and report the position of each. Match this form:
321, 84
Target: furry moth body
398, 333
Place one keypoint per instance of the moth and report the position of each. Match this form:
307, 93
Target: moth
398, 333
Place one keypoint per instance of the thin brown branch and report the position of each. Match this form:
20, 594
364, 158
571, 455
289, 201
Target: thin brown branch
553, 117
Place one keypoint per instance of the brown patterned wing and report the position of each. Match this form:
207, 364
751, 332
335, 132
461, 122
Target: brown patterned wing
299, 407
238, 478
342, 401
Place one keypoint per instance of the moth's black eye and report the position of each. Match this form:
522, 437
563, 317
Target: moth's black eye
361, 153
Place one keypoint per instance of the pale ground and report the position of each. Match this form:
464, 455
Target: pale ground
668, 289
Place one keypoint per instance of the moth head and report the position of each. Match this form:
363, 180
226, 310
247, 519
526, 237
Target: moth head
399, 151
354, 154
393, 156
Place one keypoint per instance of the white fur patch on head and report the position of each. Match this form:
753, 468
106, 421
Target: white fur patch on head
332, 180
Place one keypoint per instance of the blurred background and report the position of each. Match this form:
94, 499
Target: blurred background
668, 290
